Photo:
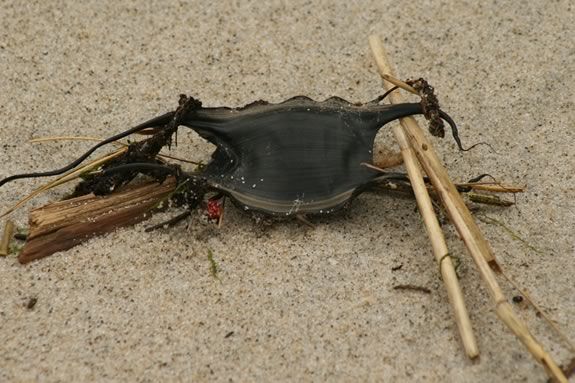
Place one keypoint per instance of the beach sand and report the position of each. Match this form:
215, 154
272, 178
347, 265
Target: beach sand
291, 303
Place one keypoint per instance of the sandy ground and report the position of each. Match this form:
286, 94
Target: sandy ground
292, 303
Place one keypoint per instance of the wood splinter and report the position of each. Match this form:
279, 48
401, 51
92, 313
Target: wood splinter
64, 224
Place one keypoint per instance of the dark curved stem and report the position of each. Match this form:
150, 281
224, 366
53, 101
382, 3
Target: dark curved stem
160, 120
383, 96
455, 133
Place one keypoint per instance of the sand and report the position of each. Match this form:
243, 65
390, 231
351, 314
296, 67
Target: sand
292, 303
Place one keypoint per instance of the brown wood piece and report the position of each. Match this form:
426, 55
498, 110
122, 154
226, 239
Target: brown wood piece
64, 224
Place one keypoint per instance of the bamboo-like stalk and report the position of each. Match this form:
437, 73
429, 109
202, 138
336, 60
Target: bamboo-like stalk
6, 236
438, 245
466, 226
437, 239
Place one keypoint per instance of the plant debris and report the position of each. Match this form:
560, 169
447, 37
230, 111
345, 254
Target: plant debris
6, 237
31, 303
420, 289
213, 265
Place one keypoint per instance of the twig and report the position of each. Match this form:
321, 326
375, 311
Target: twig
398, 83
435, 234
40, 140
6, 236
420, 289
466, 226
494, 187
405, 187
489, 199
96, 139
514, 235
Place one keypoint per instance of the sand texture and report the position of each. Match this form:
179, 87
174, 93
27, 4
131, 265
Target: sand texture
292, 303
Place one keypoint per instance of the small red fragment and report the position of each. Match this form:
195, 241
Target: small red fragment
214, 208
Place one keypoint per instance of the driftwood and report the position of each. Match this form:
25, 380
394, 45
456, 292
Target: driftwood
64, 224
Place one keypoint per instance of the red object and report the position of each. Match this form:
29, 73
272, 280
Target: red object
215, 208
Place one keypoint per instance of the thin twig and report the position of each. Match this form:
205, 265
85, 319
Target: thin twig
494, 187
474, 197
466, 226
40, 140
411, 287
514, 235
488, 199
397, 82
96, 139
